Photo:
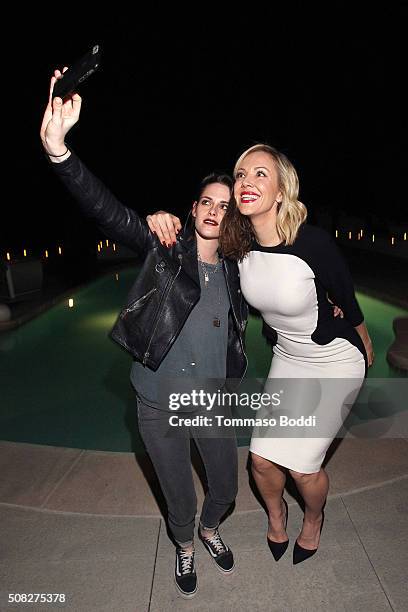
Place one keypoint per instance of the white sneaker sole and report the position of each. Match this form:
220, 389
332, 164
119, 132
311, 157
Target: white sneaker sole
223, 571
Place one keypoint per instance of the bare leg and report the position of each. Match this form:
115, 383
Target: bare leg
314, 489
270, 479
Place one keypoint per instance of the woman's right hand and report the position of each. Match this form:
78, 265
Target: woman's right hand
59, 117
165, 225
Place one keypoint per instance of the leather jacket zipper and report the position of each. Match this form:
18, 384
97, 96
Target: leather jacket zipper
135, 304
232, 303
166, 292
236, 321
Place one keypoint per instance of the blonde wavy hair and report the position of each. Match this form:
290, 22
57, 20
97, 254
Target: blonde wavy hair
237, 232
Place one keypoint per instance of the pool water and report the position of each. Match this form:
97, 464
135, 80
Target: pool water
65, 383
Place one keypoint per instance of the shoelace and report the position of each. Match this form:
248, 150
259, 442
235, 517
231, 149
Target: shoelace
187, 562
217, 543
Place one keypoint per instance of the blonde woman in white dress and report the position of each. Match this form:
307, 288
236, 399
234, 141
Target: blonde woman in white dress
288, 270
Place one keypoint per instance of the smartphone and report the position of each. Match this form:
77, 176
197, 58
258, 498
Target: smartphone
78, 73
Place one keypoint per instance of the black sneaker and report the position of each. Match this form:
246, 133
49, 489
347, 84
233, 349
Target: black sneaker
219, 551
185, 574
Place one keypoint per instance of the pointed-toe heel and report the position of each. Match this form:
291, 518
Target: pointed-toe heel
300, 554
278, 549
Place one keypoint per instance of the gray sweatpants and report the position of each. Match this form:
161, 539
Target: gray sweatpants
170, 455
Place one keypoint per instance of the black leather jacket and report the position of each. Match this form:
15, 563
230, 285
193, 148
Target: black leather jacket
167, 287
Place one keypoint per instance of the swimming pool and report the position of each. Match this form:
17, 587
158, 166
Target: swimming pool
65, 383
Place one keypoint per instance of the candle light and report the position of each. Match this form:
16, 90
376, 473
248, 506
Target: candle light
114, 246
25, 252
405, 236
392, 240
71, 303
361, 232
8, 257
46, 253
99, 248
373, 238
337, 234
349, 235
60, 250
117, 276
107, 243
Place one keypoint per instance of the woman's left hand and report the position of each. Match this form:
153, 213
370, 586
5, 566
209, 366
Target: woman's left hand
370, 352
368, 345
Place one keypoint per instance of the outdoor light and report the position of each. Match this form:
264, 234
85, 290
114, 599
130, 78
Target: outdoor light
8, 257
405, 236
349, 235
99, 248
46, 253
373, 237
70, 302
361, 232
337, 234
117, 276
392, 240
25, 253
114, 246
107, 243
60, 250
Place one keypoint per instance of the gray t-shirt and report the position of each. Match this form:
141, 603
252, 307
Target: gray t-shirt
198, 357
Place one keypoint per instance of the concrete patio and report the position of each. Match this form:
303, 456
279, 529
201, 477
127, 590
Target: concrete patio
89, 524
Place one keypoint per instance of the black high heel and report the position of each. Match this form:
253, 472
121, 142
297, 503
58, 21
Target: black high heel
279, 548
301, 554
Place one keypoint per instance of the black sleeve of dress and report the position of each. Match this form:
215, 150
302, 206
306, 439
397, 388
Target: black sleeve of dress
116, 221
335, 277
269, 333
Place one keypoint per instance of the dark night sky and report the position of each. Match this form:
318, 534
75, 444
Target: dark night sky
181, 94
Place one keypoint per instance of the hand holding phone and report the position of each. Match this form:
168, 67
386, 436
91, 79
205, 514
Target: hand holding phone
78, 73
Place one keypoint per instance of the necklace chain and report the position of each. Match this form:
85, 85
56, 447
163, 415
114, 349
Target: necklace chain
216, 319
206, 271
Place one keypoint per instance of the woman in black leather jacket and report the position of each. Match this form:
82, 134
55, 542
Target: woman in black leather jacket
184, 321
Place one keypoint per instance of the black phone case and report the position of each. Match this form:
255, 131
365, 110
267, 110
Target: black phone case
78, 73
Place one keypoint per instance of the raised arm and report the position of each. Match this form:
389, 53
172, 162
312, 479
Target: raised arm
58, 119
118, 222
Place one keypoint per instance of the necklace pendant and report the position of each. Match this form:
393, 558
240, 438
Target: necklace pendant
206, 277
216, 322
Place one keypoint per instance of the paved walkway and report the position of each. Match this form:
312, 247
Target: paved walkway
88, 524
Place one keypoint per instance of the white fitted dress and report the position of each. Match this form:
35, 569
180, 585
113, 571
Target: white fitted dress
319, 361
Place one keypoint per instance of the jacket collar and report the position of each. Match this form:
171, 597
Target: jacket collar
188, 242
187, 236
